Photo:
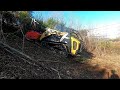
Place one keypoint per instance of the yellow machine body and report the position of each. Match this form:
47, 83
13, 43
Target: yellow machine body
75, 43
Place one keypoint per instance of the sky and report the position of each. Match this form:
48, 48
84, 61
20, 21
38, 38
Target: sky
105, 23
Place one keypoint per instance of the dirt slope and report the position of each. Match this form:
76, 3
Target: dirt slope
59, 66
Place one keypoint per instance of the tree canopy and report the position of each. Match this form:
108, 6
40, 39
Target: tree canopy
51, 22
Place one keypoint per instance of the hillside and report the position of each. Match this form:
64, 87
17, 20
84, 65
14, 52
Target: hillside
23, 59
57, 66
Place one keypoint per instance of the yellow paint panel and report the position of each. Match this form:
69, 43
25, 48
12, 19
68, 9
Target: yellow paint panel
73, 52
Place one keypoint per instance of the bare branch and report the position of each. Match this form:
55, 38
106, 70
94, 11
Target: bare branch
57, 73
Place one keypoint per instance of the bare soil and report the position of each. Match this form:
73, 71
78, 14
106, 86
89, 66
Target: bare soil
84, 67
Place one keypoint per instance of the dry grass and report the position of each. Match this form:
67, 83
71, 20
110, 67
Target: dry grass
101, 46
107, 55
108, 63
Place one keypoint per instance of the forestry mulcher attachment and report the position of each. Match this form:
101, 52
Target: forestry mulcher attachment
68, 43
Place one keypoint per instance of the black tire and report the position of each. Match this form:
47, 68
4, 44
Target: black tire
64, 50
44, 44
